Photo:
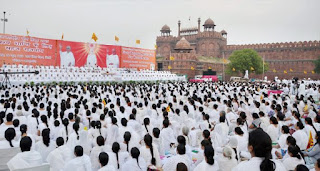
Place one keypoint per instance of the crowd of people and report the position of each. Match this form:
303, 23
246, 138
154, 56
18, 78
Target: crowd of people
225, 126
83, 74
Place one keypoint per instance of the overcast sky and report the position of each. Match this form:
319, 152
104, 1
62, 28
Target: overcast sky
246, 21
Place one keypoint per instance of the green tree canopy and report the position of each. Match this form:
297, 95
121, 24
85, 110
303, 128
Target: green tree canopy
317, 65
246, 59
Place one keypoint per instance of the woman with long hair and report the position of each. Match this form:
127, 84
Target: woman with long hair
300, 136
45, 145
9, 136
260, 146
135, 162
294, 158
149, 152
208, 163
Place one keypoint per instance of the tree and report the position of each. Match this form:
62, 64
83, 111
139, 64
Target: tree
317, 65
246, 59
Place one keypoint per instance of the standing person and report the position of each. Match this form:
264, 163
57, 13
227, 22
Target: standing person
260, 146
91, 59
113, 59
80, 163
66, 57
26, 158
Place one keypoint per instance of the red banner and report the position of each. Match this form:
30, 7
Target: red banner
37, 51
27, 50
87, 54
137, 58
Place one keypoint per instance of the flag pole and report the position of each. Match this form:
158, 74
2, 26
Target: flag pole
263, 67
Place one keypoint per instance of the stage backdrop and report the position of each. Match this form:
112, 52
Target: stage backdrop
37, 51
27, 50
137, 58
81, 54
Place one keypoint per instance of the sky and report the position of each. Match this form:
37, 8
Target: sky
246, 21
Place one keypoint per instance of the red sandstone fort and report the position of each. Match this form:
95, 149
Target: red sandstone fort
194, 51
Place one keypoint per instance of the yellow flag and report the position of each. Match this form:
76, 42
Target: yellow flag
285, 72
312, 72
310, 141
94, 37
291, 70
305, 72
104, 102
171, 58
251, 68
209, 68
116, 38
192, 68
274, 70
62, 36
155, 46
168, 109
233, 69
137, 41
85, 128
27, 32
169, 67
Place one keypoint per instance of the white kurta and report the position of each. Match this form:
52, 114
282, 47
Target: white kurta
301, 138
132, 165
59, 157
25, 160
205, 166
254, 164
112, 61
82, 163
291, 162
66, 59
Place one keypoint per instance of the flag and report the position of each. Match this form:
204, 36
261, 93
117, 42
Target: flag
192, 68
312, 72
233, 69
155, 46
274, 70
104, 102
305, 72
137, 41
169, 67
168, 109
291, 70
310, 141
171, 58
62, 36
27, 32
285, 72
94, 37
116, 38
209, 68
251, 68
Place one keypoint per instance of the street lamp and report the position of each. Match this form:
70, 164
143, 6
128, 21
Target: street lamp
4, 19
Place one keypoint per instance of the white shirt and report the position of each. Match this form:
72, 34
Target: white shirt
112, 61
82, 163
25, 160
59, 157
291, 162
254, 164
66, 59
132, 165
205, 166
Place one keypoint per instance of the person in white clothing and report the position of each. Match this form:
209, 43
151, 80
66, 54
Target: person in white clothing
92, 58
260, 146
135, 163
104, 160
294, 158
80, 163
150, 153
59, 156
9, 142
66, 58
26, 158
113, 59
181, 157
208, 163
